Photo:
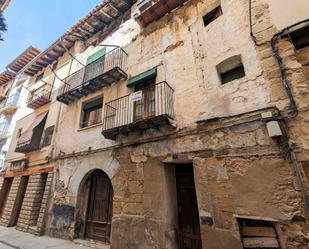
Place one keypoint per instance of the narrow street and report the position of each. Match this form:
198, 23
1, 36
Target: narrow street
10, 238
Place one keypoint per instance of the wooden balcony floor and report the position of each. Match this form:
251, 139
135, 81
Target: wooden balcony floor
158, 10
138, 126
106, 79
40, 101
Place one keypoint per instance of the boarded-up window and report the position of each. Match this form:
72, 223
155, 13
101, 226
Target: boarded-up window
212, 15
48, 135
258, 234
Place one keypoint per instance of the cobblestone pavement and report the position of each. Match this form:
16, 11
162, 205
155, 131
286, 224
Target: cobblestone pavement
10, 238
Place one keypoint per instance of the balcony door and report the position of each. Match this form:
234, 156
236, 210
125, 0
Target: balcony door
146, 107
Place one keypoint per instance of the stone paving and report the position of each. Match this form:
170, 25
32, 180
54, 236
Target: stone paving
10, 238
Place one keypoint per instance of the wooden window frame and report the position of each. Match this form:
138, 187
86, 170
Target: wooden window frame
85, 114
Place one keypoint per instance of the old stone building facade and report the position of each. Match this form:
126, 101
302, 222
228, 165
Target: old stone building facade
176, 124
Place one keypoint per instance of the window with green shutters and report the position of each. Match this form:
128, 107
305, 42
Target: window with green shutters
96, 56
95, 65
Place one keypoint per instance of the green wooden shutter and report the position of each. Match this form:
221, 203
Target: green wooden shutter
150, 74
96, 55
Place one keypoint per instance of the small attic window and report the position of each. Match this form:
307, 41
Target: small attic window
212, 15
231, 69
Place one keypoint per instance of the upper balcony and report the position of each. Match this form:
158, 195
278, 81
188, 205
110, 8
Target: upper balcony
148, 108
152, 10
10, 104
104, 71
40, 96
4, 130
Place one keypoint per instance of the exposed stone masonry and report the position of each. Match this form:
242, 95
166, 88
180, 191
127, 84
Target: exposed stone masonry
7, 212
33, 210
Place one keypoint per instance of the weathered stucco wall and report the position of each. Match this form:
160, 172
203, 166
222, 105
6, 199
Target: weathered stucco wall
239, 170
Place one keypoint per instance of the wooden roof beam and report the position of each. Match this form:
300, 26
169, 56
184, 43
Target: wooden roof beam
100, 20
114, 8
107, 15
77, 35
85, 31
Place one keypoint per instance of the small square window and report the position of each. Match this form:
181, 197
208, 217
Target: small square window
231, 69
92, 112
212, 15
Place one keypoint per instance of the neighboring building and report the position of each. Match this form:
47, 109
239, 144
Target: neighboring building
13, 95
4, 4
170, 124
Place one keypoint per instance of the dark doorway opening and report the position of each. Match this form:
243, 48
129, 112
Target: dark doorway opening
19, 200
4, 193
188, 214
99, 211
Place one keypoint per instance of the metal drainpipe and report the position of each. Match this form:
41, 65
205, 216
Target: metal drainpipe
293, 105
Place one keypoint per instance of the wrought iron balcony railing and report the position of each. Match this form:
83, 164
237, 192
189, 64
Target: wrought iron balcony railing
151, 107
102, 72
40, 96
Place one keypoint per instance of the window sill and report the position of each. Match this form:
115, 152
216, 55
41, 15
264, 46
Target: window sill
89, 127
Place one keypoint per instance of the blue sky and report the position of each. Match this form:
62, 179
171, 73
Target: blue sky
39, 23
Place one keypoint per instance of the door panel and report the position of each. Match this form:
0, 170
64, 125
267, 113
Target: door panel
146, 107
188, 217
99, 207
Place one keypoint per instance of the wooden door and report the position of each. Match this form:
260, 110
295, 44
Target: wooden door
146, 107
188, 216
99, 214
4, 193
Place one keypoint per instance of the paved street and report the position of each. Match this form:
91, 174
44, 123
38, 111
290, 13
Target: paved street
10, 238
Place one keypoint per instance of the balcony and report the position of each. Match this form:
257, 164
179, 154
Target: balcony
100, 73
152, 10
30, 139
4, 130
151, 107
40, 96
10, 104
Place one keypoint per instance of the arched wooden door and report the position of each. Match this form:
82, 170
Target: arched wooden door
99, 212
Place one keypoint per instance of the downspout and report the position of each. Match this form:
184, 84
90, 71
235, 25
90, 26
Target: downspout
294, 110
